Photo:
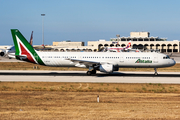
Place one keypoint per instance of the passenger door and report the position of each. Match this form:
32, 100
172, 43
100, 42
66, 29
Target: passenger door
155, 58
121, 59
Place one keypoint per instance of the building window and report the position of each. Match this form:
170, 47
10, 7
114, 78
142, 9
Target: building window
123, 39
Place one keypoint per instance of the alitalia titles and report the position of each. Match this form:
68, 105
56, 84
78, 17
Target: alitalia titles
143, 61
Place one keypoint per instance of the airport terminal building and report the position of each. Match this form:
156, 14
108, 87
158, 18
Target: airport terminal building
71, 46
139, 40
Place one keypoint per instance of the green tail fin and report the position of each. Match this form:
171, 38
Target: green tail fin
23, 48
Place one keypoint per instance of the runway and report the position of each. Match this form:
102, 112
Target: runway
80, 76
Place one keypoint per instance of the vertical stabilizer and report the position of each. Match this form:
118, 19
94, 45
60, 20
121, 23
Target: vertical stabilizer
31, 39
24, 49
128, 45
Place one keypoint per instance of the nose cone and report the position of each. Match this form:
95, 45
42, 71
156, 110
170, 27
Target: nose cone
172, 62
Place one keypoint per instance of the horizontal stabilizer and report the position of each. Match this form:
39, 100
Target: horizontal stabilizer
21, 57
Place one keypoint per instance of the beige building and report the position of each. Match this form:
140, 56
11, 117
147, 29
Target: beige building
139, 40
68, 43
139, 34
163, 46
71, 46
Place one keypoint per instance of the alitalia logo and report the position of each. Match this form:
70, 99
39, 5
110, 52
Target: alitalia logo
24, 49
143, 61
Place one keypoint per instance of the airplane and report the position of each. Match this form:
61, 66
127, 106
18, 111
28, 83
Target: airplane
118, 49
103, 61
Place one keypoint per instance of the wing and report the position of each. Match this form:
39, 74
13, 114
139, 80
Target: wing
85, 63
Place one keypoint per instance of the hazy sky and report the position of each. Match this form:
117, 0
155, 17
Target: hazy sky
88, 20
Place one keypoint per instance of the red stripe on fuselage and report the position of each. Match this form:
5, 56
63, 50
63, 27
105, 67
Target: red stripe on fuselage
24, 52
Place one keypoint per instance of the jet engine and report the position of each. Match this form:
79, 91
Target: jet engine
106, 68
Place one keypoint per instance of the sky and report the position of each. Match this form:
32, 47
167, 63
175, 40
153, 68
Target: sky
88, 20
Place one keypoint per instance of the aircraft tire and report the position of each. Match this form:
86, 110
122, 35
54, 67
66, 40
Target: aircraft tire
155, 73
89, 73
93, 72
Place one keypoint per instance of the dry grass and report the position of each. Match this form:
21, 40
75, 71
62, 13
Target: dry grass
90, 87
30, 66
23, 100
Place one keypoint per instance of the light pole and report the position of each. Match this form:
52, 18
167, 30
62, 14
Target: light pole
43, 28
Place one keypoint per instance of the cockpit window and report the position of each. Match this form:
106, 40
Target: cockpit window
166, 57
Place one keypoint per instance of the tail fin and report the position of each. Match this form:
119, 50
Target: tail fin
128, 45
31, 39
24, 50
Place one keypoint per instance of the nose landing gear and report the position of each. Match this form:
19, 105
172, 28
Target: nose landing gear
155, 73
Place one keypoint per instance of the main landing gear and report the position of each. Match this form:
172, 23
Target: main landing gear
155, 69
91, 71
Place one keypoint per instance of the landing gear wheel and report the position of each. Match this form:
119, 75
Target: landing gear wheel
155, 71
93, 72
89, 73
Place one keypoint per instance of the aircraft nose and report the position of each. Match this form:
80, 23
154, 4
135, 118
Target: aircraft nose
173, 62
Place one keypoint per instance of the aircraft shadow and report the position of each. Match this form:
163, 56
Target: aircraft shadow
84, 74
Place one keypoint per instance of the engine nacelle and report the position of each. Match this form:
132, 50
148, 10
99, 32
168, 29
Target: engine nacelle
2, 53
106, 68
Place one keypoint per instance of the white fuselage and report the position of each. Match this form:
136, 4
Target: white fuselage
117, 59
